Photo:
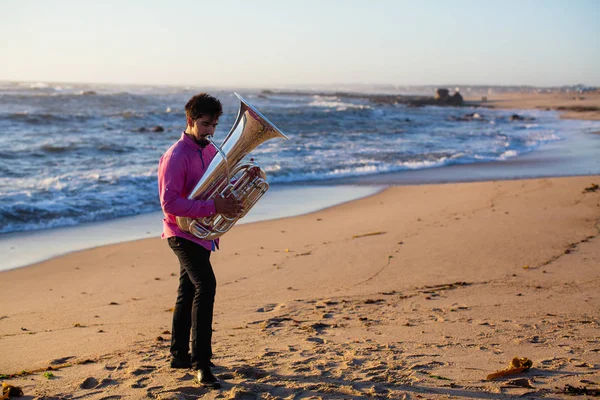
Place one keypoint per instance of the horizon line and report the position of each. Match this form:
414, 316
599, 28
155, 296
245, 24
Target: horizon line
287, 85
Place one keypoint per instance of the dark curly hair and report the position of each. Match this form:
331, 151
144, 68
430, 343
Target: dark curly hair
203, 104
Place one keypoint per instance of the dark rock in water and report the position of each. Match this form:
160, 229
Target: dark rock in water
517, 117
469, 117
456, 99
443, 97
88, 93
157, 128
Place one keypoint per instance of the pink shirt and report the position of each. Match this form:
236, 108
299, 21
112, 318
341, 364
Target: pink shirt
179, 171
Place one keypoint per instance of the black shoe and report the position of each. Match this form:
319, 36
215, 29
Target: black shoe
206, 378
211, 364
181, 363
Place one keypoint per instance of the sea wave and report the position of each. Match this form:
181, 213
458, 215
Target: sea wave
48, 202
367, 167
361, 170
57, 148
43, 118
336, 104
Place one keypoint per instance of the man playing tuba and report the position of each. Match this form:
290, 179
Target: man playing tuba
179, 170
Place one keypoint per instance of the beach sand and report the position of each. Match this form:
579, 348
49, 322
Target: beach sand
416, 292
571, 105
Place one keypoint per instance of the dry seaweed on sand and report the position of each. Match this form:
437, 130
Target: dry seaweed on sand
8, 391
517, 365
580, 391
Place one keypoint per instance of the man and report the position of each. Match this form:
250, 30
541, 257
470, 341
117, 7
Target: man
179, 170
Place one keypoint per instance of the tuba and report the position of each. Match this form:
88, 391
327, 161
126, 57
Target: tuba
227, 176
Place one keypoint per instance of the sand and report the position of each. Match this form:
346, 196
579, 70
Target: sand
416, 292
571, 105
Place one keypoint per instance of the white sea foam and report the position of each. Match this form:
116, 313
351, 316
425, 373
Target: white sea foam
39, 85
508, 154
51, 183
272, 168
424, 164
335, 103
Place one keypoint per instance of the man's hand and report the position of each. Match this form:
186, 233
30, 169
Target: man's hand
228, 206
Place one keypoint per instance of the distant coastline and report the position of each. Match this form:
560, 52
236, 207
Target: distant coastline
573, 102
409, 100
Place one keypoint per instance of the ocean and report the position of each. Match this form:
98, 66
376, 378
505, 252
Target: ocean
77, 154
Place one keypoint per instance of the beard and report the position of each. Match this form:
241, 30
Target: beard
203, 142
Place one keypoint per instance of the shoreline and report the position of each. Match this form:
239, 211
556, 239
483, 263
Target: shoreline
53, 243
571, 105
573, 156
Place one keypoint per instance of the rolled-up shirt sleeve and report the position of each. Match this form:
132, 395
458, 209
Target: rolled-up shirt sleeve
171, 182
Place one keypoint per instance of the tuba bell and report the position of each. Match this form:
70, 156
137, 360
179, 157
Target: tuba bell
227, 176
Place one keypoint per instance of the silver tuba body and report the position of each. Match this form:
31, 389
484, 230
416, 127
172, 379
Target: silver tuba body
227, 176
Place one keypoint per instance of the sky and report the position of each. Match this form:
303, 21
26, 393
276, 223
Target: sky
269, 43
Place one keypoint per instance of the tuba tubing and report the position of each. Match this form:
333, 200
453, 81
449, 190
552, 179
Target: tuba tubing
228, 176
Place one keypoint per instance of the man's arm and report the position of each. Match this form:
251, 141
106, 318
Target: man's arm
171, 181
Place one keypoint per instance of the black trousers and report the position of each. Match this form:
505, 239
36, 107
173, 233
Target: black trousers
195, 300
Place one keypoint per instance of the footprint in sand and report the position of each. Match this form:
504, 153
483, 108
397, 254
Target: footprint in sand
153, 389
267, 308
271, 307
250, 372
269, 353
427, 366
140, 383
142, 370
186, 377
89, 383
107, 382
242, 394
317, 327
301, 368
182, 393
121, 365
93, 383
